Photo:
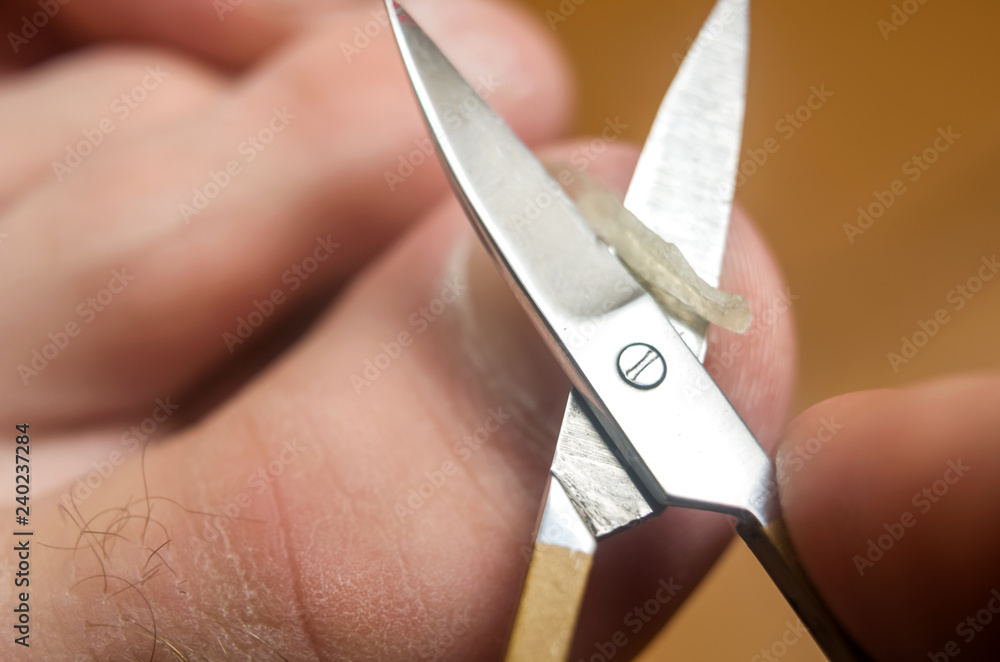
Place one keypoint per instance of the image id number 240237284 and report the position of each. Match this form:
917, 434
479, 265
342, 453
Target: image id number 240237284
22, 536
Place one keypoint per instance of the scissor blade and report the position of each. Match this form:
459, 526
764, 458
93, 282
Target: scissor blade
543, 246
683, 185
553, 590
594, 478
687, 448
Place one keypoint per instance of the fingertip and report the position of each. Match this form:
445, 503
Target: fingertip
889, 496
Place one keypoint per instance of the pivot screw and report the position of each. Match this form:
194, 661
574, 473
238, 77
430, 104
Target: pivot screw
642, 366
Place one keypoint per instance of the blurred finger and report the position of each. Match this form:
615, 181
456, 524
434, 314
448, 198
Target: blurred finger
116, 95
239, 210
890, 500
227, 32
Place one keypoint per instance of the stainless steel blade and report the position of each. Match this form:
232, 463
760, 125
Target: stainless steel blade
683, 185
691, 451
686, 449
684, 196
601, 489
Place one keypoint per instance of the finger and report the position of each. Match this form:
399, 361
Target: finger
231, 32
285, 186
403, 448
117, 94
228, 32
889, 498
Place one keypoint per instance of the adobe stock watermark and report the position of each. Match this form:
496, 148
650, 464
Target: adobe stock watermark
898, 17
957, 298
924, 501
257, 483
635, 620
913, 169
364, 34
708, 34
223, 7
121, 108
725, 357
31, 25
794, 632
292, 279
795, 461
453, 117
249, 149
580, 159
86, 312
463, 450
786, 128
969, 628
562, 12
583, 156
130, 441
420, 320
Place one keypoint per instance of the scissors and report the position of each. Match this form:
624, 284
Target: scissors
645, 426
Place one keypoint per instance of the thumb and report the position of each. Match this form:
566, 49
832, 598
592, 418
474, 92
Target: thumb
890, 498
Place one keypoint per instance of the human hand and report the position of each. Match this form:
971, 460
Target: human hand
271, 515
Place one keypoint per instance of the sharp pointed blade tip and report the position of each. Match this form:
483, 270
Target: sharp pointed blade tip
705, 104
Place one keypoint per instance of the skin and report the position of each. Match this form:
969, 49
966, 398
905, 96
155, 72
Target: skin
270, 514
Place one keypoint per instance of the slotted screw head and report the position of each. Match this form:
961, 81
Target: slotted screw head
642, 366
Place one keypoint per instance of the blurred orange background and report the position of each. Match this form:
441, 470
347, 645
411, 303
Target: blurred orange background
892, 90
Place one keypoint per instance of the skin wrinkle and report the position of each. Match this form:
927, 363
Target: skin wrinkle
256, 425
305, 623
209, 568
423, 393
438, 421
421, 612
231, 560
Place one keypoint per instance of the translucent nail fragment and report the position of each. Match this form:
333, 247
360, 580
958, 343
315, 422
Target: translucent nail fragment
657, 264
